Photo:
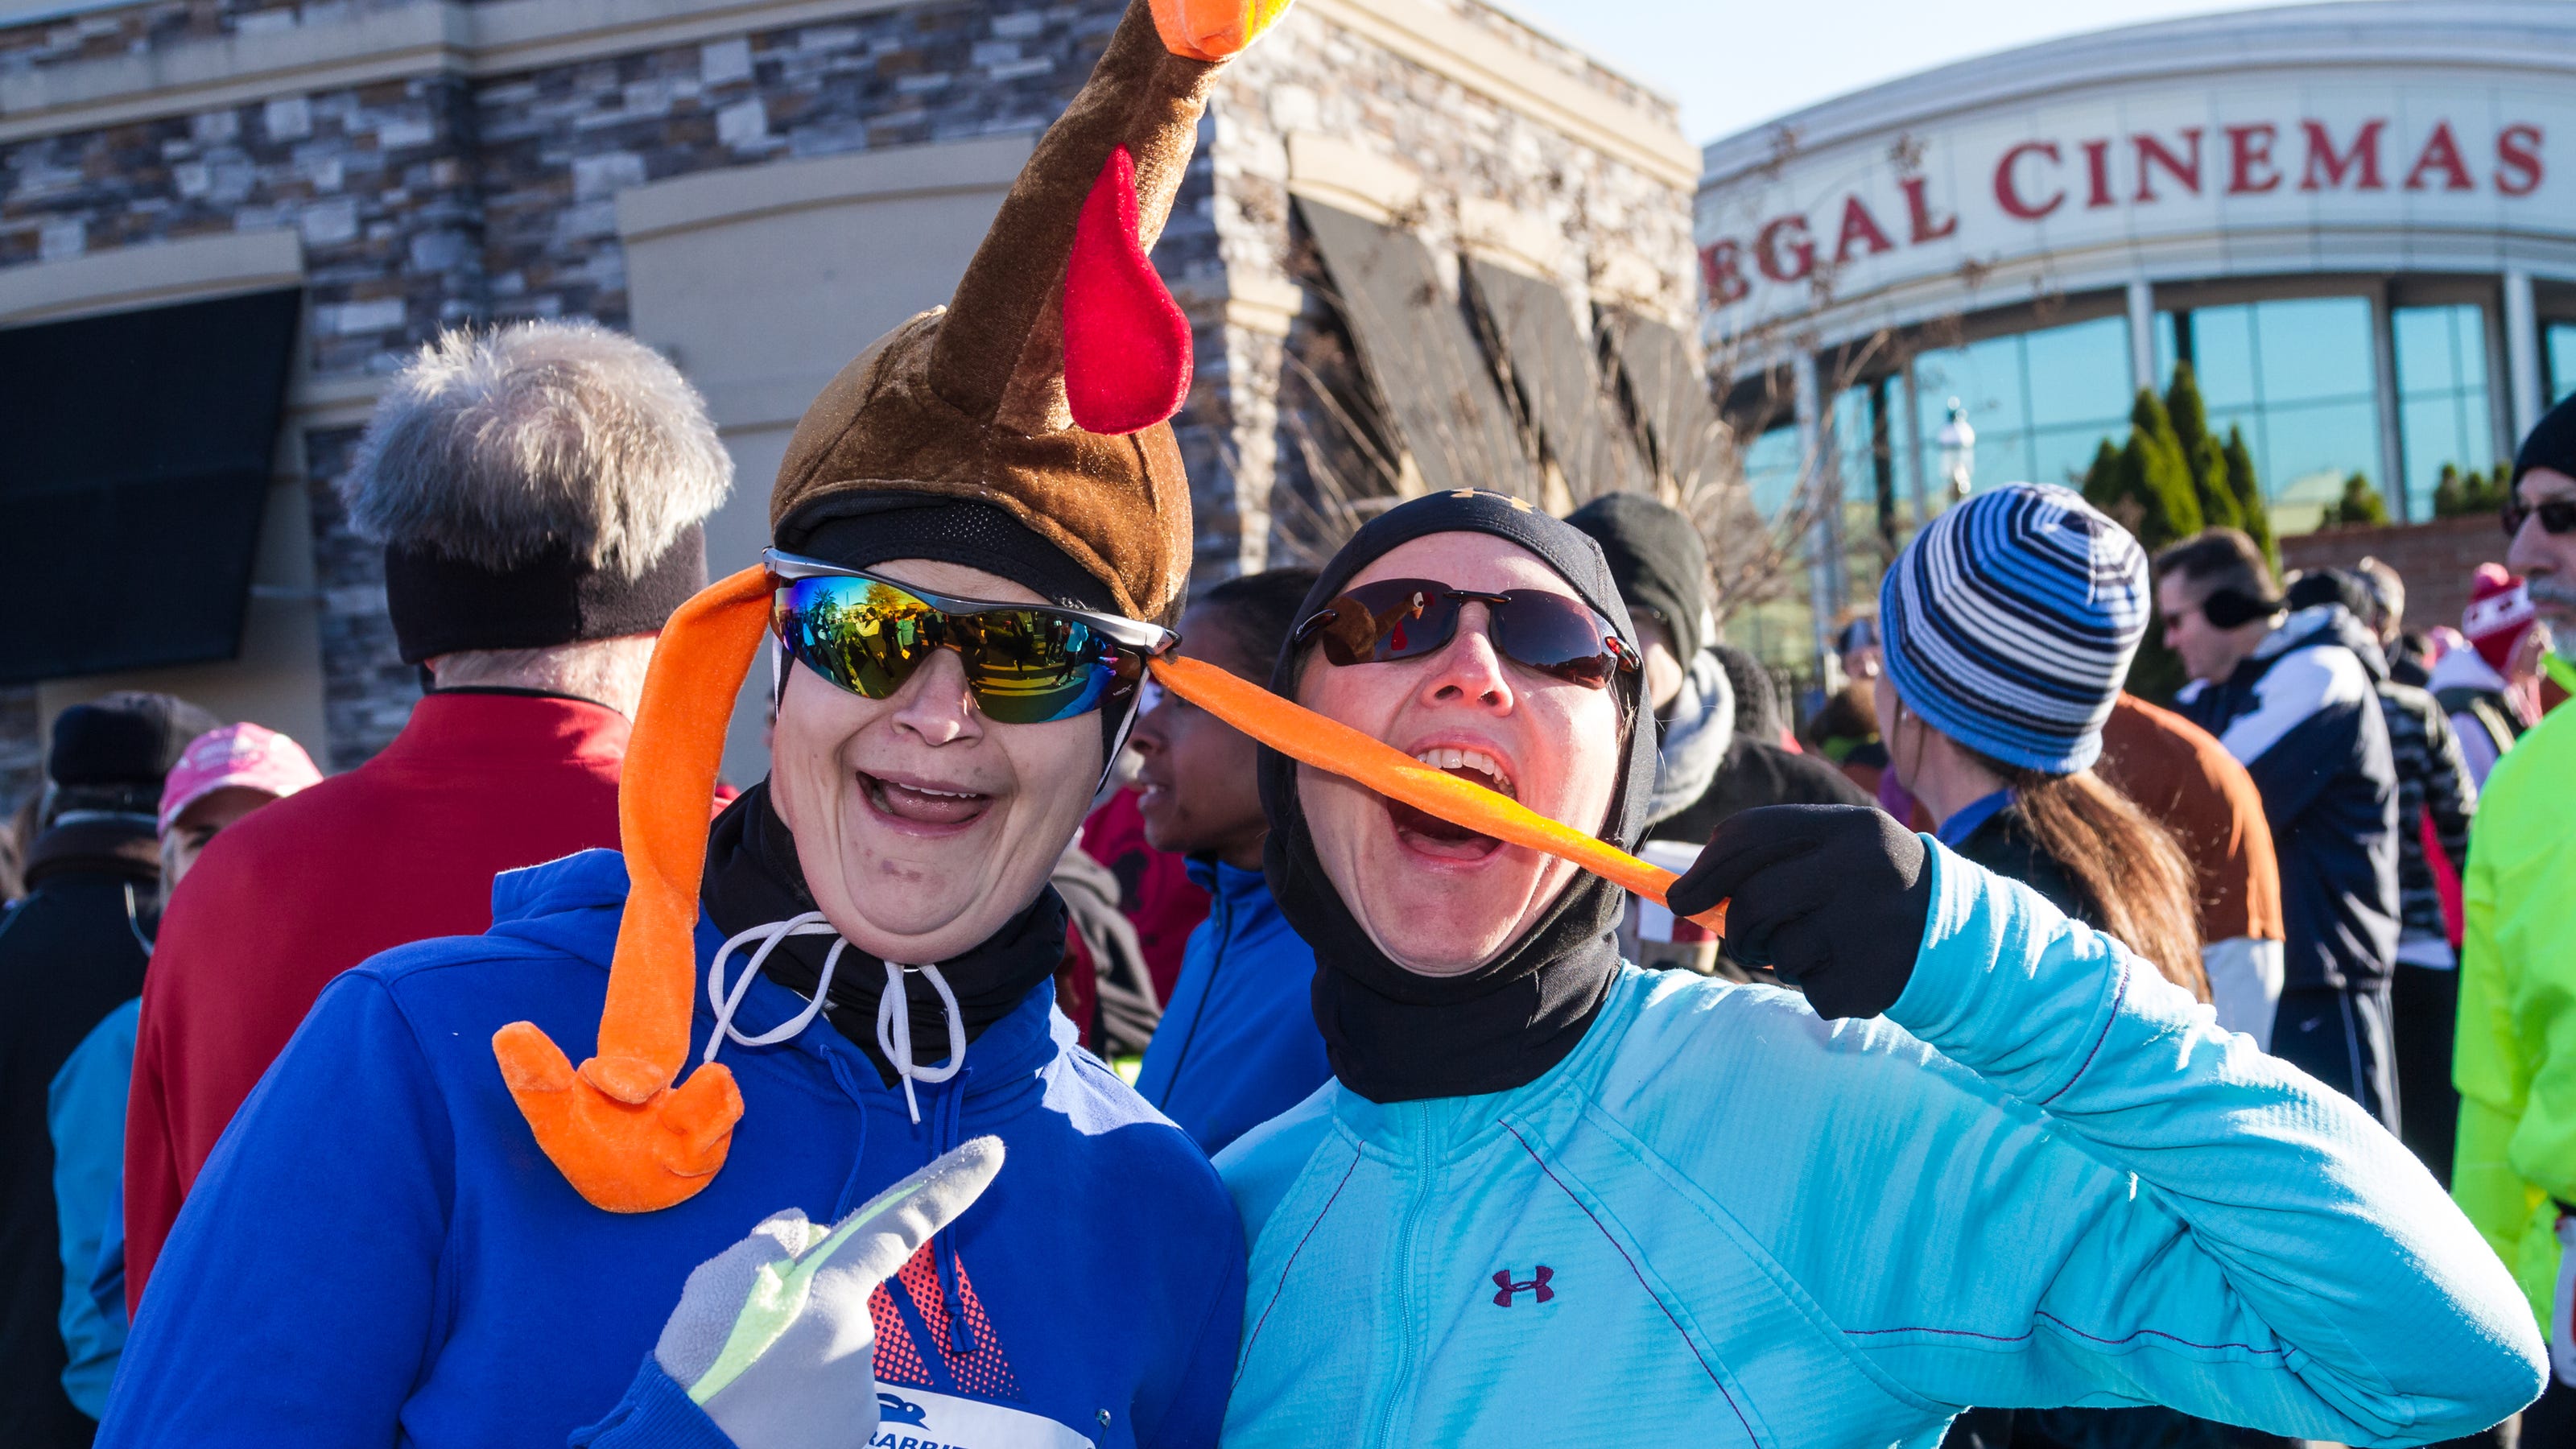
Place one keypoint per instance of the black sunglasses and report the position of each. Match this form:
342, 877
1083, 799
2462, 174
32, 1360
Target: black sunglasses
1024, 664
2558, 515
1406, 618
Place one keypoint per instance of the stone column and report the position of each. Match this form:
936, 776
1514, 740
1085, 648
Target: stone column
2383, 360
2521, 355
2142, 335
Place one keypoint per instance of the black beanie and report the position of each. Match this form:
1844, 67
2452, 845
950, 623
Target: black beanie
443, 605
123, 741
2551, 444
1657, 558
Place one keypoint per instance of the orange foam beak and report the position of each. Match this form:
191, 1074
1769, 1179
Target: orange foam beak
1309, 738
1214, 29
619, 1131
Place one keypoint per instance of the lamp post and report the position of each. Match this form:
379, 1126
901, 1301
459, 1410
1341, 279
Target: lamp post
1958, 442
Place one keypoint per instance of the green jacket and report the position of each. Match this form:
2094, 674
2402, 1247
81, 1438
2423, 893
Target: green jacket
2516, 1060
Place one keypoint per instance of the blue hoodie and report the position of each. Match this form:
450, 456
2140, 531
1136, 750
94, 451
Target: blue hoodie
1238, 1044
377, 1253
2044, 1178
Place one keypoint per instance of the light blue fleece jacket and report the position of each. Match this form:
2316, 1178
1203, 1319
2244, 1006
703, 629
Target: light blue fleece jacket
2044, 1178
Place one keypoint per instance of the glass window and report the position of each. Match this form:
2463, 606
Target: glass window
2558, 341
1771, 470
2444, 412
2296, 376
2040, 401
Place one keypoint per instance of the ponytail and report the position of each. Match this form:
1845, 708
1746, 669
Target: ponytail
2124, 864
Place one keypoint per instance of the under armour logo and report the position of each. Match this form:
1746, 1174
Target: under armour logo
1536, 1284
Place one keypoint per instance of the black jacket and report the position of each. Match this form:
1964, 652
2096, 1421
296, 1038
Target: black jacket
2303, 715
70, 953
1757, 772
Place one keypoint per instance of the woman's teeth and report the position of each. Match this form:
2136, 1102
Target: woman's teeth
1472, 762
924, 804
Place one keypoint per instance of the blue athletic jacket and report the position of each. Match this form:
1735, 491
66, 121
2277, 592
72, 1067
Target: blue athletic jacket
2044, 1178
1238, 1044
2303, 715
377, 1253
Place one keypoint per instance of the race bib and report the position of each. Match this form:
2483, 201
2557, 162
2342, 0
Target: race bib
919, 1419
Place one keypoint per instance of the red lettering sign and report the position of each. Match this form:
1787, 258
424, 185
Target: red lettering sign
1859, 226
2008, 196
2518, 147
2029, 185
2322, 160
2152, 154
2247, 148
1918, 212
1766, 249
2441, 153
1721, 271
2097, 175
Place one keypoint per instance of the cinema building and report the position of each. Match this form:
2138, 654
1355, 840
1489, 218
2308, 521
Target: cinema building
2357, 221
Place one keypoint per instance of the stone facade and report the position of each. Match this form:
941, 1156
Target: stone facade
455, 197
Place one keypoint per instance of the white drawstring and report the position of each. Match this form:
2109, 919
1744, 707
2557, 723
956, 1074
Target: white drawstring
726, 1003
894, 1032
894, 1014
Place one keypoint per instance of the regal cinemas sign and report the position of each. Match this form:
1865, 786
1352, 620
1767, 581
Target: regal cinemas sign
2260, 183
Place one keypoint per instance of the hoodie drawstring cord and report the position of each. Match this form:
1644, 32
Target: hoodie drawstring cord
726, 1003
961, 1333
894, 1032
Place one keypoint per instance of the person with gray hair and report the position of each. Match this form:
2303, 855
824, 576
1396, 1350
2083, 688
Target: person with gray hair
540, 491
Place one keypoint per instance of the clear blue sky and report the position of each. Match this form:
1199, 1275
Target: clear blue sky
1735, 63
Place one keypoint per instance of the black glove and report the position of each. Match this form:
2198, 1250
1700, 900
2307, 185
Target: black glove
1833, 897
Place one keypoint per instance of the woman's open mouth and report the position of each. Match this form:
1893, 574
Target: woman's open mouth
923, 805
1427, 834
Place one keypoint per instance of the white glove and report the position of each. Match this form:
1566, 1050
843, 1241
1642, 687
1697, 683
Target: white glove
2562, 1306
773, 1337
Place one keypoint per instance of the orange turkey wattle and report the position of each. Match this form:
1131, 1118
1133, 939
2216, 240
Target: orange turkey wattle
1126, 342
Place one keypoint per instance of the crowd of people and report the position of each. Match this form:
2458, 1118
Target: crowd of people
2068, 1069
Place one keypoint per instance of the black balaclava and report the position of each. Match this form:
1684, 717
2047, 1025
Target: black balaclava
752, 874
753, 878
1393, 1035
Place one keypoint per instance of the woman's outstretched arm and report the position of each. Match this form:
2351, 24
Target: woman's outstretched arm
2254, 1249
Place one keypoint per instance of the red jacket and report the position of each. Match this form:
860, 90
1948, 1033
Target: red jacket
402, 848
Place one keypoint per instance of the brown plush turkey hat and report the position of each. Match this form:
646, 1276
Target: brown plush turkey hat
1042, 391
1024, 428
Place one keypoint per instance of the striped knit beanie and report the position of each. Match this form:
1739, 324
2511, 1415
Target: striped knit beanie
2010, 621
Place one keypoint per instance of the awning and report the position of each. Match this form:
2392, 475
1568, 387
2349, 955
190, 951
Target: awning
1413, 339
1550, 360
135, 454
1669, 392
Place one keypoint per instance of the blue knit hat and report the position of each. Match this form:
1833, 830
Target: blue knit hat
2010, 622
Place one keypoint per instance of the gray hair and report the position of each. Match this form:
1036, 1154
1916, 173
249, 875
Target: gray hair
492, 447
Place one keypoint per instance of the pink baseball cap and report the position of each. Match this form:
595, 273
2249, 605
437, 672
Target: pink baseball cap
244, 756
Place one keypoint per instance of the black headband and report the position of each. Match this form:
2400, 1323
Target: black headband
442, 605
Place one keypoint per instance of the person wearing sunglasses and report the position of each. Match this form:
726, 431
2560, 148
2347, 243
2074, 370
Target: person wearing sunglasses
465, 1200
2513, 1171
2293, 693
1991, 1157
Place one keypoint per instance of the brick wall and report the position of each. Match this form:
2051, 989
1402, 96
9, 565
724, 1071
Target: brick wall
443, 200
2436, 560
